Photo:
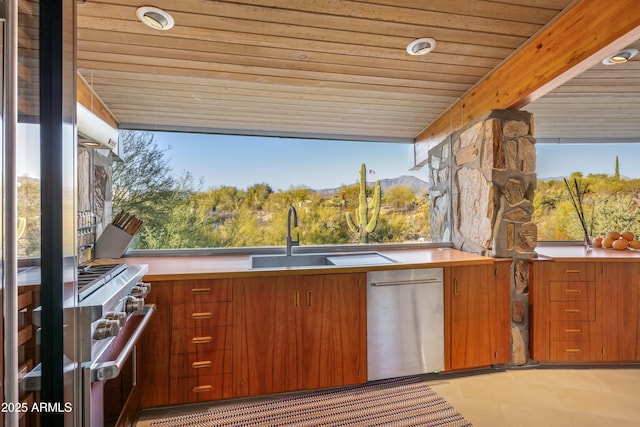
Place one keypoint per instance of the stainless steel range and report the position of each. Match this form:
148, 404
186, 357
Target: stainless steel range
113, 316
110, 318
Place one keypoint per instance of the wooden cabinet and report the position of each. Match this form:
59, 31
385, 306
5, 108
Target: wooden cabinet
477, 316
621, 311
566, 319
201, 346
189, 344
585, 311
155, 347
300, 333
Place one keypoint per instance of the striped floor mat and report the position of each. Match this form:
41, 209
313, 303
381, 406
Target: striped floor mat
397, 402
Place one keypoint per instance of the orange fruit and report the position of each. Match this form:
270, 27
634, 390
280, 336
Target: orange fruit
597, 242
607, 242
628, 236
620, 244
614, 235
634, 244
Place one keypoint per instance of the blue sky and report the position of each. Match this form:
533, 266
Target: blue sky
555, 160
282, 162
243, 161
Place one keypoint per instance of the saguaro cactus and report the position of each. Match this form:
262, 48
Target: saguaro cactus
360, 222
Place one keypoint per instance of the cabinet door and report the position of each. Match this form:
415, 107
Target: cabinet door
155, 345
476, 323
332, 330
621, 313
268, 347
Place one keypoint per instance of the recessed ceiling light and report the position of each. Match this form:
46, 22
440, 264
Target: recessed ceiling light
421, 46
620, 57
155, 18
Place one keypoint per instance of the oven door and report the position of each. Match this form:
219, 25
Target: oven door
110, 393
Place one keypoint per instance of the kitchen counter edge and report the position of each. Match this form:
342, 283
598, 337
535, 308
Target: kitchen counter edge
581, 254
166, 268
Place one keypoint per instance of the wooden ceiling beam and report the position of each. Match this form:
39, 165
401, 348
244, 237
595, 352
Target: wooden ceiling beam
88, 98
578, 39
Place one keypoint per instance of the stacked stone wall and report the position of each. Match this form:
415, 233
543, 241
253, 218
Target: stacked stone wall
482, 186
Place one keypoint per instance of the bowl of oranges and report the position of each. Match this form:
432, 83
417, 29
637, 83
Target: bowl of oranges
617, 240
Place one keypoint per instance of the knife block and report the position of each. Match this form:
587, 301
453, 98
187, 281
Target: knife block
112, 243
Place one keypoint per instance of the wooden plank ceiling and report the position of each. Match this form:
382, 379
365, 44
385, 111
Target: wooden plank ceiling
601, 104
328, 69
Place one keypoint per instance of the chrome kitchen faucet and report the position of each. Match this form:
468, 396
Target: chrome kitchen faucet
290, 241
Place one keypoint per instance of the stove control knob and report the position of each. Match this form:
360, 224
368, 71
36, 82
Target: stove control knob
106, 328
134, 304
118, 316
139, 291
145, 285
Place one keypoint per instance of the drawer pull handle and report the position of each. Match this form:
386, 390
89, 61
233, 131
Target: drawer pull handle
572, 350
572, 310
572, 331
296, 298
202, 388
572, 271
203, 364
572, 291
200, 291
204, 315
201, 340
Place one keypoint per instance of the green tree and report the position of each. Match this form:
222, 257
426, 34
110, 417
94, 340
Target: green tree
399, 198
143, 183
617, 172
29, 209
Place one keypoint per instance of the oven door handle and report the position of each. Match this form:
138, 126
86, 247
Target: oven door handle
108, 370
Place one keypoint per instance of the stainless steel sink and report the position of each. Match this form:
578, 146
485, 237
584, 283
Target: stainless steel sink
311, 260
302, 260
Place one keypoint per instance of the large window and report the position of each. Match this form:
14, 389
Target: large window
211, 191
605, 175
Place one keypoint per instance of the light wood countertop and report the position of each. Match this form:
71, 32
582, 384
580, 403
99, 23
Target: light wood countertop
205, 267
579, 253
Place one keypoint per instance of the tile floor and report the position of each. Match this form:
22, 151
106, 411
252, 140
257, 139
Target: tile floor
529, 397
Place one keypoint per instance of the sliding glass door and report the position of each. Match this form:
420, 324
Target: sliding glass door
40, 381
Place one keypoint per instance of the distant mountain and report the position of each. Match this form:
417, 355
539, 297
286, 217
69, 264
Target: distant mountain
416, 184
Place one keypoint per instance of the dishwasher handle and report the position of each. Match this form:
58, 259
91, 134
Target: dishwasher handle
407, 282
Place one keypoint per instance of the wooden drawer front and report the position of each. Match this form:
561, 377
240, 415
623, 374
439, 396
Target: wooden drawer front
572, 310
572, 271
201, 315
188, 341
191, 365
570, 351
200, 389
202, 291
575, 332
572, 291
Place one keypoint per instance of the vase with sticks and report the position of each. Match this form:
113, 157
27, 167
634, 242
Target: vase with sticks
576, 196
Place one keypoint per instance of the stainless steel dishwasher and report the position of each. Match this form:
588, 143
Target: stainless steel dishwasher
405, 322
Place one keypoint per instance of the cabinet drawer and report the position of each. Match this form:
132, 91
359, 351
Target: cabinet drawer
570, 351
572, 291
200, 389
201, 315
190, 341
574, 332
191, 365
202, 291
572, 310
572, 271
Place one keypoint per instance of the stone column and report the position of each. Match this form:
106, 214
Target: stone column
487, 172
